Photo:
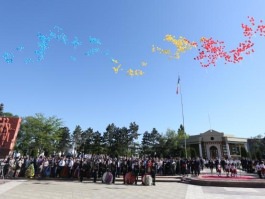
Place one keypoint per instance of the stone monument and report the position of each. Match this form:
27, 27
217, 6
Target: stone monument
9, 127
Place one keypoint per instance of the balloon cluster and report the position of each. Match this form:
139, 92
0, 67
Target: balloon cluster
8, 57
57, 34
182, 45
130, 72
211, 50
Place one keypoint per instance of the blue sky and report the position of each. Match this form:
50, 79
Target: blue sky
85, 90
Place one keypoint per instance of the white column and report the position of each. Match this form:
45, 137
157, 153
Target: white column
208, 151
246, 146
228, 150
218, 146
200, 149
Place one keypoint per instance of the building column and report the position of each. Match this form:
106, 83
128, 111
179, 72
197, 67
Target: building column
200, 149
246, 146
208, 151
218, 146
228, 150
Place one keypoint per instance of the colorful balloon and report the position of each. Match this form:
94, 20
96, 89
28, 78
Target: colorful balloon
92, 51
20, 48
181, 44
28, 60
94, 40
136, 72
57, 34
8, 57
75, 43
116, 69
115, 61
58, 28
212, 50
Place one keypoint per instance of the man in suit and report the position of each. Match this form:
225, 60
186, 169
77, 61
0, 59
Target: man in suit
81, 170
154, 171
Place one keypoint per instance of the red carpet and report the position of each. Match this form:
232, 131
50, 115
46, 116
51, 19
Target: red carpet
224, 177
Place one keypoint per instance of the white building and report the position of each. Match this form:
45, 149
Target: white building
213, 144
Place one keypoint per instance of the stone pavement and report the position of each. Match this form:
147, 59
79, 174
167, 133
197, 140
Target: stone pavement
167, 187
50, 189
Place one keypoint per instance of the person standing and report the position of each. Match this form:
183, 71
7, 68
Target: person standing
227, 169
223, 163
45, 168
113, 169
197, 167
153, 172
202, 162
70, 167
136, 170
61, 165
211, 165
142, 170
192, 166
258, 169
216, 163
19, 163
81, 170
118, 167
124, 170
95, 172
183, 165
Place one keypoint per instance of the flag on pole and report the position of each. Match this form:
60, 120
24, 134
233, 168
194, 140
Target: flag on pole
177, 91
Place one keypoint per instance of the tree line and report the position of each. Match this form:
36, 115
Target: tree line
39, 134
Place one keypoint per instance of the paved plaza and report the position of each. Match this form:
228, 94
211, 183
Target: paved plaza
52, 189
167, 187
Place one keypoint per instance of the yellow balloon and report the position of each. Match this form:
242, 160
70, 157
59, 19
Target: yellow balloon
130, 72
116, 69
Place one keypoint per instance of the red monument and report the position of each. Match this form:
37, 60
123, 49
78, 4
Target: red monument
9, 127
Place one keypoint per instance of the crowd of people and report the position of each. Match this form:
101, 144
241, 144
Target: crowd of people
90, 167
93, 167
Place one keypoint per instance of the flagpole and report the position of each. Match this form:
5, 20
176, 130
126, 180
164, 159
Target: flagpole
185, 141
210, 122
